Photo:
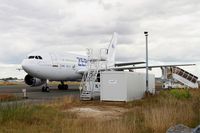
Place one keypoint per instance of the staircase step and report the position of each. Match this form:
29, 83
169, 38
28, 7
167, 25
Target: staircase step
185, 77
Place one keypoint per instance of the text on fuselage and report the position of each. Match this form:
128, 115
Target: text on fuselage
82, 61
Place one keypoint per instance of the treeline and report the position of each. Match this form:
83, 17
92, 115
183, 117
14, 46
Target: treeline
9, 78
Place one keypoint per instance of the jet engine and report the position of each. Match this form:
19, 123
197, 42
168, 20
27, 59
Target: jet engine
32, 81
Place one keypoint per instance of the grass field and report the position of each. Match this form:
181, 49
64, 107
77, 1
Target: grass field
7, 83
68, 83
153, 114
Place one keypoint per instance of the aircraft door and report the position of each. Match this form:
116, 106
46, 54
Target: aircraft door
54, 60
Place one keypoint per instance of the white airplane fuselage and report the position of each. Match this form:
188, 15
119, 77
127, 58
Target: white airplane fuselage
42, 66
55, 66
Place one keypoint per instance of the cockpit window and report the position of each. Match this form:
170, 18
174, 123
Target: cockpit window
31, 57
40, 57
35, 57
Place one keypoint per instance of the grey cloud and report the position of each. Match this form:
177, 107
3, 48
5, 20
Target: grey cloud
118, 27
31, 25
30, 9
109, 6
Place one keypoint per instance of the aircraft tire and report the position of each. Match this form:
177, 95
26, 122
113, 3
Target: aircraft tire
66, 87
60, 87
45, 89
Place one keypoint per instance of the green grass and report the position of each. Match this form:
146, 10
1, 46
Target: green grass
180, 93
15, 112
31, 118
153, 114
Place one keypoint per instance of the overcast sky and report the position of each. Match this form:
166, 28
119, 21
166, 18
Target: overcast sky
74, 25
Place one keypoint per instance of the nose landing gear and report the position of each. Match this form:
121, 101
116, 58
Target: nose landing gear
45, 88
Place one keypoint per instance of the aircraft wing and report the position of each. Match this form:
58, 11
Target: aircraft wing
150, 67
128, 63
133, 67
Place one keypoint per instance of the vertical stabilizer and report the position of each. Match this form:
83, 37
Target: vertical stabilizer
112, 51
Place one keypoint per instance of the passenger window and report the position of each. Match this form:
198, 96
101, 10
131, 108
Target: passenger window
36, 57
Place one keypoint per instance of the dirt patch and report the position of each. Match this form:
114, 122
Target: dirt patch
7, 97
99, 113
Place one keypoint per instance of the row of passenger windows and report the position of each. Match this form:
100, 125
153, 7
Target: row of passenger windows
35, 57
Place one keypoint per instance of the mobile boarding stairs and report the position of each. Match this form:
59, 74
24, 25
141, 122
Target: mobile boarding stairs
90, 83
185, 79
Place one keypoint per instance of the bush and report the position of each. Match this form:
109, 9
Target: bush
180, 93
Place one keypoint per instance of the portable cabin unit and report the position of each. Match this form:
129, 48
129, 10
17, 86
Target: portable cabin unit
124, 86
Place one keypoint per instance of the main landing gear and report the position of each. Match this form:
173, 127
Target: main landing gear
62, 86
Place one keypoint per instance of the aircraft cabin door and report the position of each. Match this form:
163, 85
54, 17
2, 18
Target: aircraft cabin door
54, 60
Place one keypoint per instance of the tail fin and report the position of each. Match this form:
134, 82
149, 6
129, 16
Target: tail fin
112, 51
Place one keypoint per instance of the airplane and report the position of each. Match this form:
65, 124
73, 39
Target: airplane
44, 66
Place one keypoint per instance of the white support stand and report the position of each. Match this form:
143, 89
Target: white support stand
24, 93
90, 86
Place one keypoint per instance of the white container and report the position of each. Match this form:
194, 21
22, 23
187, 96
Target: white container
124, 86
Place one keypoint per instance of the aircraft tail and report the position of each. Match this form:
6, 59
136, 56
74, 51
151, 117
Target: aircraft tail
112, 51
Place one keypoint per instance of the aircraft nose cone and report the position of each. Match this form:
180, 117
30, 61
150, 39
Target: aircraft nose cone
25, 65
31, 67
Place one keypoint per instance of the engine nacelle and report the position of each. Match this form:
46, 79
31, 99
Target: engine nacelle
32, 81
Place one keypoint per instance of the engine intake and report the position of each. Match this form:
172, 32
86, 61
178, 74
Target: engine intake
32, 81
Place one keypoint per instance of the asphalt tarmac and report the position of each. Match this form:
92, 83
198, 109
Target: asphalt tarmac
35, 93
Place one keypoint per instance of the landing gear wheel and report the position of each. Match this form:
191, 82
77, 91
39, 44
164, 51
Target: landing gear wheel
45, 89
62, 87
66, 87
